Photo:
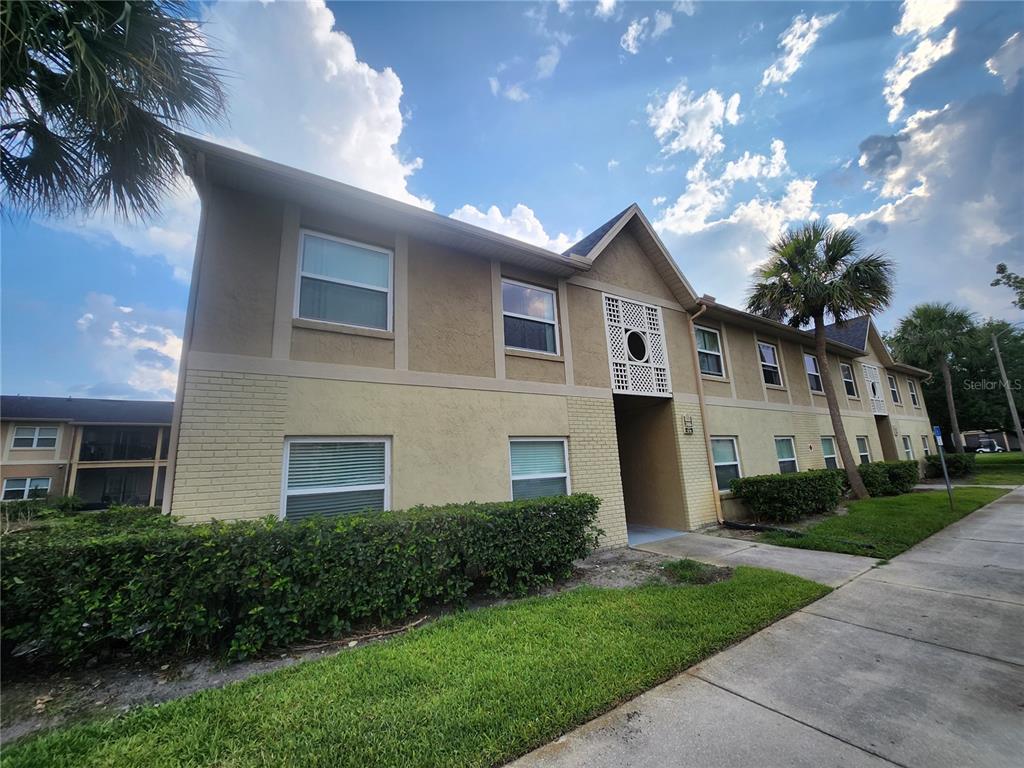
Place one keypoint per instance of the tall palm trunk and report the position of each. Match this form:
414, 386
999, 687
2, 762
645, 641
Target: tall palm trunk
954, 425
852, 473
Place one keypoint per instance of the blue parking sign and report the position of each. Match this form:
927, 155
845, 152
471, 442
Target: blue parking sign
938, 432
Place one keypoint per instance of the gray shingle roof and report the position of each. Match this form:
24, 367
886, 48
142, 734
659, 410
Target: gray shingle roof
584, 246
85, 410
852, 333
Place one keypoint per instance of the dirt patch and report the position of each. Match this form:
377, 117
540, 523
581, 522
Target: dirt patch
36, 698
801, 525
694, 572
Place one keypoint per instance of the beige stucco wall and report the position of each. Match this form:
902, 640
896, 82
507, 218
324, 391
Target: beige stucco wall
589, 342
331, 346
624, 263
36, 462
524, 368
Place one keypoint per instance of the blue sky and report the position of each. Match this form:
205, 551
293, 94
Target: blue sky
726, 122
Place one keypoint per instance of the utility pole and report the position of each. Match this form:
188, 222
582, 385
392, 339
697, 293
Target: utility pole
1009, 395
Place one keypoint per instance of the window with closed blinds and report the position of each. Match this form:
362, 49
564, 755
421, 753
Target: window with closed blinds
344, 282
333, 477
785, 450
538, 468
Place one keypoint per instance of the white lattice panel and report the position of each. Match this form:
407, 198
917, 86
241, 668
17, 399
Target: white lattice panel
874, 381
636, 347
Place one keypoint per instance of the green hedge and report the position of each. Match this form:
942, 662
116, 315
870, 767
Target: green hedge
154, 587
890, 478
958, 464
788, 497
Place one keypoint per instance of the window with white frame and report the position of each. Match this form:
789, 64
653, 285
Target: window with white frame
341, 281
926, 443
863, 449
848, 381
770, 370
530, 317
912, 388
16, 488
539, 467
785, 451
908, 447
726, 455
34, 437
813, 373
333, 476
894, 390
828, 452
709, 351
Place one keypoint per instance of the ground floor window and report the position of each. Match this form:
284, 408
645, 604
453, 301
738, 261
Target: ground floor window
926, 444
863, 449
828, 451
333, 476
726, 457
785, 450
908, 448
539, 467
100, 487
16, 488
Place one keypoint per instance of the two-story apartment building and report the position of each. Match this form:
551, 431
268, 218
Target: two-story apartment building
345, 351
103, 451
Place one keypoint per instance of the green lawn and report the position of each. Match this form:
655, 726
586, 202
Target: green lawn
474, 689
883, 527
999, 469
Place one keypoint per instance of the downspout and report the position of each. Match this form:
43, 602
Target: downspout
195, 168
704, 411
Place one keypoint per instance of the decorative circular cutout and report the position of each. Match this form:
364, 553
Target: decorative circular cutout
636, 345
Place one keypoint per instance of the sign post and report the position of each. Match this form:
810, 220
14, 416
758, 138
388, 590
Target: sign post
942, 458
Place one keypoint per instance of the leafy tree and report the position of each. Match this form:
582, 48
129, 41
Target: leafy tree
1011, 280
92, 94
937, 337
816, 271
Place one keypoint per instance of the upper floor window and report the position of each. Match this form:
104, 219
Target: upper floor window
333, 476
709, 351
116, 443
34, 437
813, 373
344, 282
785, 451
530, 317
848, 381
912, 388
894, 390
769, 357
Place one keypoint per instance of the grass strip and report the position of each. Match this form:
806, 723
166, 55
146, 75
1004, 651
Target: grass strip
474, 689
884, 527
998, 469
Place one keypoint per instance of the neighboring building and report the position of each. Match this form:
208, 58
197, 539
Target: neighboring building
345, 351
103, 451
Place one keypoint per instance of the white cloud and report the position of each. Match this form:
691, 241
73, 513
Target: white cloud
521, 223
684, 122
750, 166
135, 350
548, 61
688, 7
796, 42
564, 6
634, 35
919, 17
771, 217
330, 113
1008, 61
515, 92
604, 9
659, 200
909, 66
495, 85
662, 23
613, 163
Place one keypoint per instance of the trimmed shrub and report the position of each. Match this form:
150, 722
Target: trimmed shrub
787, 497
890, 478
154, 587
958, 464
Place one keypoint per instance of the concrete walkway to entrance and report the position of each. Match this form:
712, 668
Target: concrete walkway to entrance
916, 663
829, 568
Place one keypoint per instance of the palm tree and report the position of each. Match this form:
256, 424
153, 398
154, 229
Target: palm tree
816, 271
932, 336
92, 95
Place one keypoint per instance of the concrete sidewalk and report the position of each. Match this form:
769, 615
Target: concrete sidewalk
915, 663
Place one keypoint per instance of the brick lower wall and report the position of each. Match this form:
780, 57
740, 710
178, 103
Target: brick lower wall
230, 446
594, 463
698, 493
